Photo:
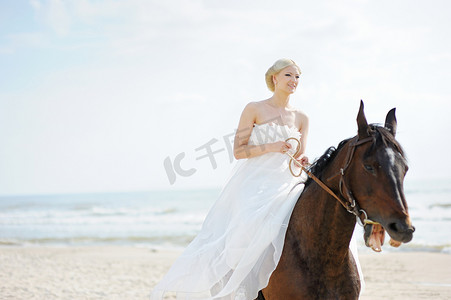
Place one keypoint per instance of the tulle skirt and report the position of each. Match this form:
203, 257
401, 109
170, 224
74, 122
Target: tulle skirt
241, 240
242, 237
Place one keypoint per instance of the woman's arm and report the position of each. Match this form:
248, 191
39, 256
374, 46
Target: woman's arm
241, 149
304, 134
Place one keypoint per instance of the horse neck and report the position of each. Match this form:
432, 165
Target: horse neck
321, 220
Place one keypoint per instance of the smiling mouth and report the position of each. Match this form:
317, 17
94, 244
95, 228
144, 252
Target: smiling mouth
374, 237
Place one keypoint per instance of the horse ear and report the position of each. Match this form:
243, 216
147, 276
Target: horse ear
390, 121
362, 123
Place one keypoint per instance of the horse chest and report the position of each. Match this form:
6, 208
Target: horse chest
311, 278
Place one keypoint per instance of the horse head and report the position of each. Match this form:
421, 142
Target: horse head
375, 176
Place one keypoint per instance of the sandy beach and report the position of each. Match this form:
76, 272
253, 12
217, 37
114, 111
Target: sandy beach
114, 272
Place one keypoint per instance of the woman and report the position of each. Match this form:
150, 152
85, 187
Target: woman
241, 240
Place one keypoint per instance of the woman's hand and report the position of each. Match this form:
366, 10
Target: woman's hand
281, 147
303, 160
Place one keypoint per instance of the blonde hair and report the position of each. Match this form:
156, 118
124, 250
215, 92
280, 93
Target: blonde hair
278, 66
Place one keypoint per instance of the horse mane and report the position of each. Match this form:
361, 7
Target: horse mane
385, 137
382, 136
321, 163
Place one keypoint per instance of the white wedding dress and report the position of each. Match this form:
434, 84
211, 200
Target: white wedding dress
242, 237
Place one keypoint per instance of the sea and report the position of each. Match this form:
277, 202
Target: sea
170, 219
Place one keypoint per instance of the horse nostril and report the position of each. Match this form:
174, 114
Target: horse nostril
393, 227
401, 228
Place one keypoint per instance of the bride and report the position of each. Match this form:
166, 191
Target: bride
242, 237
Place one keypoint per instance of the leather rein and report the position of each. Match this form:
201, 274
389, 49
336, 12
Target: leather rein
350, 204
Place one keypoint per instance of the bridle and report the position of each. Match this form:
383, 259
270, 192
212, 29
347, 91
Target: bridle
350, 204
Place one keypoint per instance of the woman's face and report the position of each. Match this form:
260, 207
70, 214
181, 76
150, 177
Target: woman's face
287, 79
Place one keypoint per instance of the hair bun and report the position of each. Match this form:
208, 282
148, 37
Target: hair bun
276, 68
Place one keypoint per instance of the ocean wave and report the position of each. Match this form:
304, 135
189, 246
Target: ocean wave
440, 205
172, 240
182, 219
169, 219
180, 242
424, 247
11, 243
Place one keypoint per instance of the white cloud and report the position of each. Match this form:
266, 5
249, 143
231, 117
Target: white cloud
26, 40
152, 78
36, 4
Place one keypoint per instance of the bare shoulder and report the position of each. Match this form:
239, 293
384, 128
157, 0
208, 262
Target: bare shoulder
249, 115
256, 104
300, 115
254, 107
302, 120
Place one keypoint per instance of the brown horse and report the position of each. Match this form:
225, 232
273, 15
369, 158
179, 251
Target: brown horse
367, 172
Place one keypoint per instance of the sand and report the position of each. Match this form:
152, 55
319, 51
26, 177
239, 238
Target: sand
114, 272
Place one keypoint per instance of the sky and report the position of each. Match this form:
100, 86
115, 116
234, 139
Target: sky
113, 96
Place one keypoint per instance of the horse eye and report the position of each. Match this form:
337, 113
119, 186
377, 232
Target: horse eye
369, 168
